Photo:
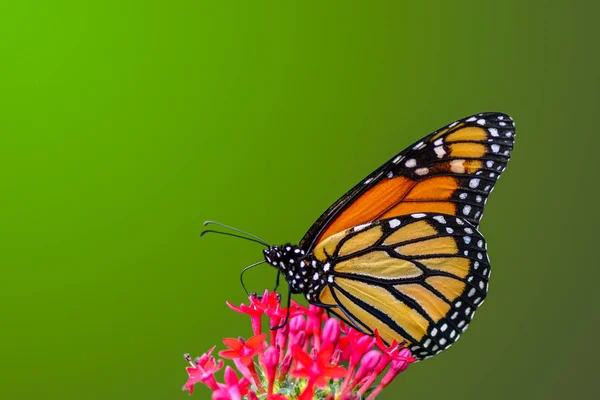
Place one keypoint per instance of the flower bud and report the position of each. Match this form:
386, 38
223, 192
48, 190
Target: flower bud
367, 365
331, 331
300, 339
271, 360
297, 324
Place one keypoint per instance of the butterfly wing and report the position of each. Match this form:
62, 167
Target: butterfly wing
417, 278
451, 171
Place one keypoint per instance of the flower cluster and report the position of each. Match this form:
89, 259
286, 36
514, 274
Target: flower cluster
310, 357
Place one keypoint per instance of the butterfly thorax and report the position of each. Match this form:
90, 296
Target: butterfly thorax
302, 271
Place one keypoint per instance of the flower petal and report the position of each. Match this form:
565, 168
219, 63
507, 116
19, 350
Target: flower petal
221, 394
324, 356
256, 340
230, 377
231, 354
301, 356
335, 372
233, 344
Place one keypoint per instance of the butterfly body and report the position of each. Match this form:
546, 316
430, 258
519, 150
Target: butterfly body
400, 252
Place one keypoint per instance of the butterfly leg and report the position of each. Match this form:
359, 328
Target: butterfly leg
325, 306
287, 313
277, 280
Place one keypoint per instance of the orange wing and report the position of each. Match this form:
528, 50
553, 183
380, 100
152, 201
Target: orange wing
417, 278
451, 171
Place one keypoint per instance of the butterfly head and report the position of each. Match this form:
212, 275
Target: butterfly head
289, 260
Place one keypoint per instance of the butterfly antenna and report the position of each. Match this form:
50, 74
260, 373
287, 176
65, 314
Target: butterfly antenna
246, 269
231, 234
257, 239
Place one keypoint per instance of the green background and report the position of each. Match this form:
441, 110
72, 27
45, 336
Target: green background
125, 124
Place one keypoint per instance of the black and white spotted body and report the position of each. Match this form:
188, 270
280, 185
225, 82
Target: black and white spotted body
302, 271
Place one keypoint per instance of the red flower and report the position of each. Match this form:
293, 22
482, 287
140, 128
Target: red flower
318, 370
312, 351
394, 351
233, 389
243, 350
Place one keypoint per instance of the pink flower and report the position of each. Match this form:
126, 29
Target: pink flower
202, 371
312, 352
233, 389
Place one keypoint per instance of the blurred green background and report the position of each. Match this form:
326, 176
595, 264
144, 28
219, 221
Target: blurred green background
126, 124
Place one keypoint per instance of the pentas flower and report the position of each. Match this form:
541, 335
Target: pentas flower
312, 356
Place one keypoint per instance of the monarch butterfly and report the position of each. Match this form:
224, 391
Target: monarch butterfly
400, 252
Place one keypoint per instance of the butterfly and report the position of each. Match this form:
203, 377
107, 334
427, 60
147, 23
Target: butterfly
400, 252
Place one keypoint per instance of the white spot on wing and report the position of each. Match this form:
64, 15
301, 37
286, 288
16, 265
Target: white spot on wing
394, 223
440, 219
419, 146
422, 171
411, 163
474, 183
457, 166
359, 228
439, 150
